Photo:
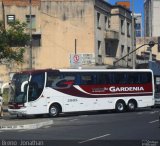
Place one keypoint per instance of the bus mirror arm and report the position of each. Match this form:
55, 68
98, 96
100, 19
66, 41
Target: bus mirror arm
22, 86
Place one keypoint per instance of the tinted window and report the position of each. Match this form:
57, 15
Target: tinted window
88, 78
124, 78
60, 80
36, 86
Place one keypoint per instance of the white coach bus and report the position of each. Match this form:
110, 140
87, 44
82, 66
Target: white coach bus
72, 90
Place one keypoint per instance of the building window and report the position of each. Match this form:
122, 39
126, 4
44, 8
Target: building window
33, 18
122, 27
109, 23
10, 18
106, 22
108, 50
122, 50
128, 29
138, 26
98, 20
36, 40
138, 33
128, 51
99, 48
88, 79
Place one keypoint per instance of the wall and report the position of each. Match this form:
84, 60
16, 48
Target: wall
61, 23
156, 19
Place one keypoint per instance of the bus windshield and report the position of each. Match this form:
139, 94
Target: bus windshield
16, 94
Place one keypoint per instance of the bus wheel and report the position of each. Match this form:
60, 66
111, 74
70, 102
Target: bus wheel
132, 105
120, 106
54, 111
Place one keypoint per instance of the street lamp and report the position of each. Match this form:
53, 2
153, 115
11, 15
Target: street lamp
30, 33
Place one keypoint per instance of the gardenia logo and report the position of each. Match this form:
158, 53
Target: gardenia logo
120, 89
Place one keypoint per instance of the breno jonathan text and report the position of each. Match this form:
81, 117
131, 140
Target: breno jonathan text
22, 143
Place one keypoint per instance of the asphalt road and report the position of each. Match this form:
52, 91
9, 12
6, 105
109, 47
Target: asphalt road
137, 128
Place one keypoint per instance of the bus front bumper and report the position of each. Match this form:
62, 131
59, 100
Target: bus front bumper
17, 111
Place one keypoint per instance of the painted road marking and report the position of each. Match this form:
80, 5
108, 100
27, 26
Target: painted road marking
154, 112
82, 116
73, 120
140, 113
25, 130
153, 121
95, 138
151, 112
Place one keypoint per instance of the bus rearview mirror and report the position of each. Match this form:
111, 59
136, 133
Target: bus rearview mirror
23, 85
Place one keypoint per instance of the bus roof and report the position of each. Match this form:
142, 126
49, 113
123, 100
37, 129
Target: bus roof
83, 70
104, 70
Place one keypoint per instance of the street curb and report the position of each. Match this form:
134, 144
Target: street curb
28, 126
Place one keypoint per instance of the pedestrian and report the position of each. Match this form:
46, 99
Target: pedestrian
1, 106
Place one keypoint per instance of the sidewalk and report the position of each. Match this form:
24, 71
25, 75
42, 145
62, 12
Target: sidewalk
9, 122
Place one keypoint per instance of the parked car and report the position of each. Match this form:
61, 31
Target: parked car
1, 108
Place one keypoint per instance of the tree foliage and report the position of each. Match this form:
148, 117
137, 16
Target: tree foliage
12, 42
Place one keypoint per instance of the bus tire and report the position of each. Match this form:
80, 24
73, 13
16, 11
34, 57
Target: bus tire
120, 106
54, 110
132, 105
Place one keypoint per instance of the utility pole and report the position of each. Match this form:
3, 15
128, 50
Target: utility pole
133, 38
75, 46
30, 33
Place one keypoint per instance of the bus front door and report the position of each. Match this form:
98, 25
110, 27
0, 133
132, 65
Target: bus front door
37, 103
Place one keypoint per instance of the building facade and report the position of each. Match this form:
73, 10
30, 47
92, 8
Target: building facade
71, 33
138, 24
145, 53
121, 45
151, 18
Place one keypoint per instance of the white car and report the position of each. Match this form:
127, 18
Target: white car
1, 110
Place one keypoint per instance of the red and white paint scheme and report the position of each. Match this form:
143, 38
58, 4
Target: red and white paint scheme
72, 90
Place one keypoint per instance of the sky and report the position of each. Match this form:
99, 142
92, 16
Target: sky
138, 4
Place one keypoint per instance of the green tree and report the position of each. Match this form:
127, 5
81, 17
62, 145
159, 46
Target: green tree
12, 42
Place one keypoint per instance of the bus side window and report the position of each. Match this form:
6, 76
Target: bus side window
60, 80
101, 78
120, 78
88, 79
52, 80
85, 79
139, 78
66, 82
125, 78
145, 78
131, 78
70, 79
107, 79
112, 76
